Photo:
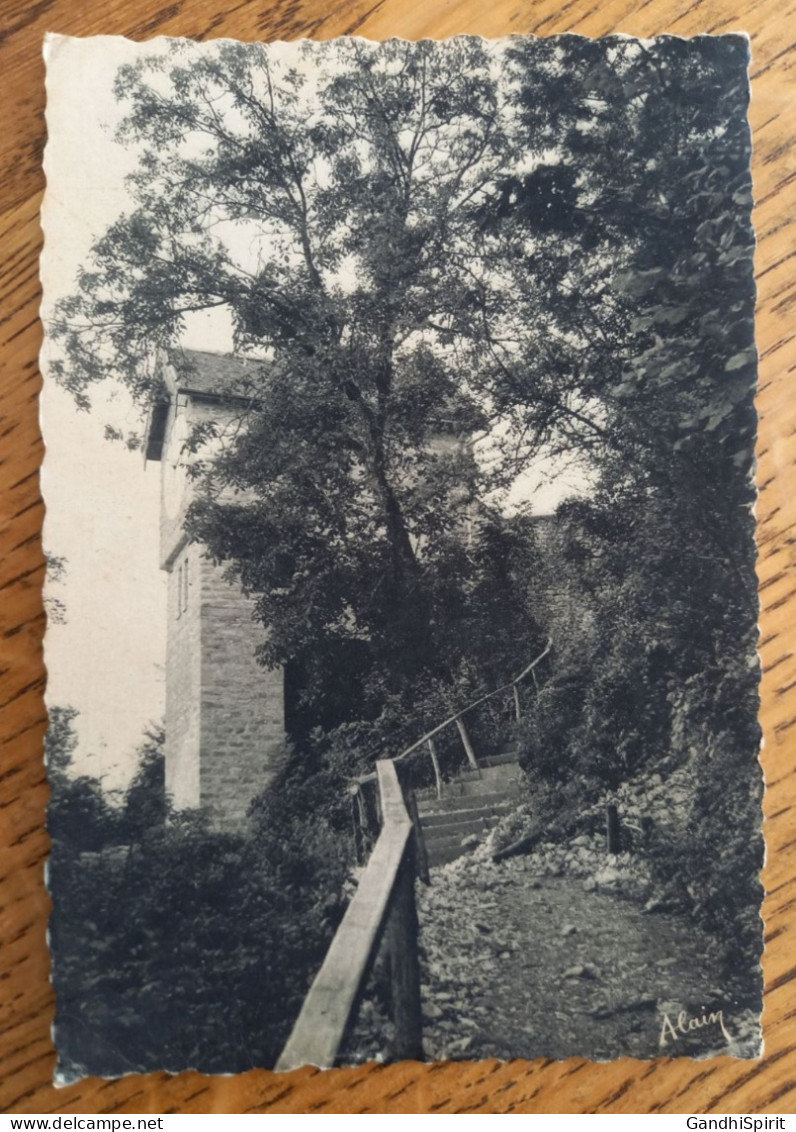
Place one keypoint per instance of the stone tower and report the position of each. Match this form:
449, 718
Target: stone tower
225, 714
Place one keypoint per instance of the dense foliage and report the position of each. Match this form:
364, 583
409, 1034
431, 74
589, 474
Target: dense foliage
177, 946
658, 662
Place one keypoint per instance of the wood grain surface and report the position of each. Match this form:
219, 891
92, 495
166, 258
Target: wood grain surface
26, 1002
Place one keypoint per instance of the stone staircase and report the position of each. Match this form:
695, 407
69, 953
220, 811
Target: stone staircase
469, 807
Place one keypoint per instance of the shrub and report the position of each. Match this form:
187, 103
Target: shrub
184, 947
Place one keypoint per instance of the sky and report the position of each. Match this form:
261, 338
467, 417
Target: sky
107, 659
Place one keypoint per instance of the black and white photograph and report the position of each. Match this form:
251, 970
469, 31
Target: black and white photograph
402, 609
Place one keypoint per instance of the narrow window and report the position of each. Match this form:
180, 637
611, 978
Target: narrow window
185, 586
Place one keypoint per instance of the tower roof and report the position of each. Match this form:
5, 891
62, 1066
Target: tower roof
202, 375
205, 374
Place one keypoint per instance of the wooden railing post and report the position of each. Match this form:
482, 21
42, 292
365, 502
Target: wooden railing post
402, 931
432, 750
612, 834
421, 856
468, 747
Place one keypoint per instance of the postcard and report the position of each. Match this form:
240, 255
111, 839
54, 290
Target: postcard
403, 684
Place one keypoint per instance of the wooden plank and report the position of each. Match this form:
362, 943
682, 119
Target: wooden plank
393, 807
320, 1026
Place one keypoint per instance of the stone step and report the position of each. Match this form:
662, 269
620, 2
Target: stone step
467, 813
488, 780
449, 802
456, 831
494, 780
436, 824
501, 758
471, 804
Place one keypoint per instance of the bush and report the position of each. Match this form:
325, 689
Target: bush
185, 947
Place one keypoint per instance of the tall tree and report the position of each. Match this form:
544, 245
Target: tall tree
357, 194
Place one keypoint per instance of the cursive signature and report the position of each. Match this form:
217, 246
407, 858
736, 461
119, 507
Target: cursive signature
683, 1024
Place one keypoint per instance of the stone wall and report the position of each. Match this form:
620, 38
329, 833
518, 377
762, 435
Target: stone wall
241, 704
225, 714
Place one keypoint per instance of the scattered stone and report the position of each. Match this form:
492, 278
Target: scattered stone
576, 972
479, 918
656, 904
470, 842
609, 875
460, 1045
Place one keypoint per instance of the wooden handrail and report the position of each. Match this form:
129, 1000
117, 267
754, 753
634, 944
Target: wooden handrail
526, 671
457, 715
384, 899
482, 699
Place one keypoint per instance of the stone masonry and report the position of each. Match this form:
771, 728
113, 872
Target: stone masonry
225, 718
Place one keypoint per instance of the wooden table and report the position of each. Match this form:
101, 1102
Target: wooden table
26, 1003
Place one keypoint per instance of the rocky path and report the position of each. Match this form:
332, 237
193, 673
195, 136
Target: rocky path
521, 965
